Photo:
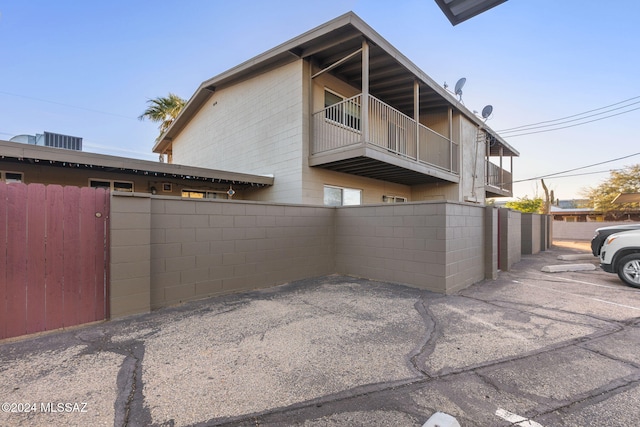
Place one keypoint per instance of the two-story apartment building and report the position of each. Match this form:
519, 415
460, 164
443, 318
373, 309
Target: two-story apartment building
340, 116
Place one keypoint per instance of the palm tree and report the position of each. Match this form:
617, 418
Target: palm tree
163, 110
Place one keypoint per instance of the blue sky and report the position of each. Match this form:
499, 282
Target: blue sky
87, 68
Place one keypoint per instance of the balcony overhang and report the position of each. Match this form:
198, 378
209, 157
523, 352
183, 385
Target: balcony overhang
369, 161
493, 191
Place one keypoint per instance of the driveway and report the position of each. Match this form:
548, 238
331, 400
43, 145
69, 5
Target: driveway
528, 349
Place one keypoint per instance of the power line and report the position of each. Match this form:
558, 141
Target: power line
570, 126
68, 105
569, 117
532, 127
575, 169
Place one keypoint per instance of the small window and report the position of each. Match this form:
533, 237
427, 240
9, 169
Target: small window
199, 194
393, 199
123, 186
10, 177
338, 196
111, 185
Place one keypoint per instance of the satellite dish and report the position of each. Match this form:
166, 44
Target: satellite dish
459, 84
486, 111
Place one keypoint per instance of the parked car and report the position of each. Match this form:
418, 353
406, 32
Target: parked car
621, 254
604, 232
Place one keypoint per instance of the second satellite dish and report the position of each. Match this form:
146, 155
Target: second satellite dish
459, 84
486, 111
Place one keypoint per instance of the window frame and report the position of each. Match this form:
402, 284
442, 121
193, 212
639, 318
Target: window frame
206, 193
112, 184
394, 199
342, 195
3, 177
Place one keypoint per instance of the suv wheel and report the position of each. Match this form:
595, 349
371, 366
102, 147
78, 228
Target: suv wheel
629, 270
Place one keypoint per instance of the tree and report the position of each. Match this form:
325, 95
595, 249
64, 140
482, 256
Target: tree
163, 110
549, 199
526, 205
626, 180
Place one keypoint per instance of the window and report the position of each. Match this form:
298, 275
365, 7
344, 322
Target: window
345, 111
338, 196
393, 199
10, 177
199, 194
112, 185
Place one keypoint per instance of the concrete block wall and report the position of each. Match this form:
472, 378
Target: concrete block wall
201, 248
531, 233
166, 250
436, 246
491, 243
130, 255
465, 245
510, 238
545, 232
562, 230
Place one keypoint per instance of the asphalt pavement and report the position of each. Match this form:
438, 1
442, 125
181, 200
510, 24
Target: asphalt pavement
528, 349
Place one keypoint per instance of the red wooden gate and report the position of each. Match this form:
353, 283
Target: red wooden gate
53, 257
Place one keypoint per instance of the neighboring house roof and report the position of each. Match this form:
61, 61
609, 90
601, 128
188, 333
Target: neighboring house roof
389, 72
627, 198
458, 11
571, 211
19, 152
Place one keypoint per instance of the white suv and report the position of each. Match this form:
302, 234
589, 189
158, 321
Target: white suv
621, 254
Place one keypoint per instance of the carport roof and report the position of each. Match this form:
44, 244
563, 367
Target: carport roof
19, 152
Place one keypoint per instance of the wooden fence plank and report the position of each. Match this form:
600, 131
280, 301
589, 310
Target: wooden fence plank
54, 257
102, 252
86, 261
71, 245
16, 260
36, 290
3, 260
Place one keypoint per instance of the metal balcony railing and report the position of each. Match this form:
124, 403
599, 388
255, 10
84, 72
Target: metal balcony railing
340, 125
498, 177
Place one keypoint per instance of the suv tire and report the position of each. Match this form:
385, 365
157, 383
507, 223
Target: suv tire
628, 269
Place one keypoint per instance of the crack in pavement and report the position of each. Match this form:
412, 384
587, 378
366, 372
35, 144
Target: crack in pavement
129, 407
392, 395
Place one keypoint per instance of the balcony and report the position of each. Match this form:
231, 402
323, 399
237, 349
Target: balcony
499, 182
394, 146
